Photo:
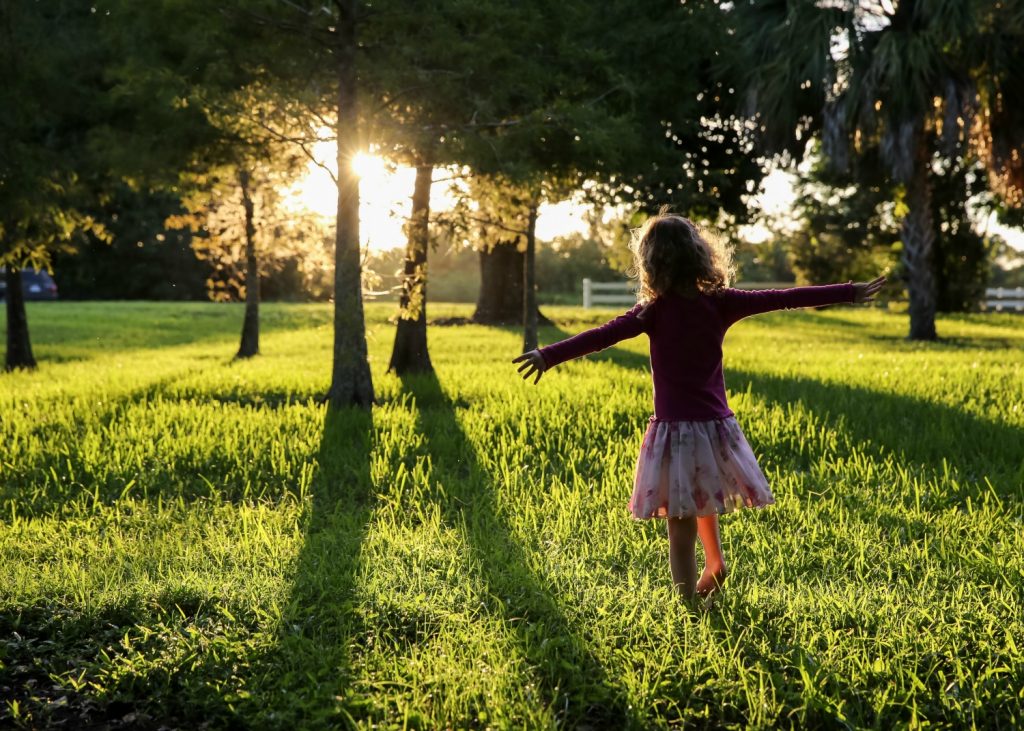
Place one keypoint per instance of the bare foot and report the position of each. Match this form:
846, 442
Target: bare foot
711, 582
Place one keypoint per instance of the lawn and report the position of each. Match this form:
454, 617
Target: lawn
188, 539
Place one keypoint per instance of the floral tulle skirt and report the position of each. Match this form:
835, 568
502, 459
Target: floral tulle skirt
696, 468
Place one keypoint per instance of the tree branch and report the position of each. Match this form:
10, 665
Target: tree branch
300, 142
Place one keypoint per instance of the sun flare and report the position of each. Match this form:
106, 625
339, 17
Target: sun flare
317, 191
385, 192
366, 166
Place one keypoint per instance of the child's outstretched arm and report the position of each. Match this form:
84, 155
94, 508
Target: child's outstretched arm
738, 303
627, 325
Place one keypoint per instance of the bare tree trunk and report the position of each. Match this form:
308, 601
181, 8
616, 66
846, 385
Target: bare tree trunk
500, 301
409, 354
351, 383
19, 348
530, 283
918, 234
250, 344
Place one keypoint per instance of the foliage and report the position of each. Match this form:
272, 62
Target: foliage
847, 225
284, 234
910, 85
846, 228
565, 262
187, 541
51, 91
143, 260
680, 139
768, 261
1006, 264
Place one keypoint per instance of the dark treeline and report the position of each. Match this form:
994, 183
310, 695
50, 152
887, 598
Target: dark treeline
147, 147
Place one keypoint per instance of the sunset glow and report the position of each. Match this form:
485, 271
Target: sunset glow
385, 198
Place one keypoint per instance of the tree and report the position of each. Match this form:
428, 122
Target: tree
564, 262
313, 50
507, 208
1007, 264
238, 208
680, 139
961, 253
629, 123
556, 130
913, 82
846, 223
51, 94
143, 260
499, 218
409, 353
443, 99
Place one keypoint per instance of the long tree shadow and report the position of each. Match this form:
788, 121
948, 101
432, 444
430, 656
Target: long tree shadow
925, 432
569, 674
228, 681
320, 625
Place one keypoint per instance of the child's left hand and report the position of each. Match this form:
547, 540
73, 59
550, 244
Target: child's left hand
532, 362
866, 291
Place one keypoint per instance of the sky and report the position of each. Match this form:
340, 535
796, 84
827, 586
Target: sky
385, 202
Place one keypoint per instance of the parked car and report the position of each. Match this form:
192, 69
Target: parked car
35, 284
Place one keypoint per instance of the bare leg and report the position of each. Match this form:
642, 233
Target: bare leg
682, 556
714, 574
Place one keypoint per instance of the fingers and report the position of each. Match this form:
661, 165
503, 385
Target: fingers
866, 291
531, 371
532, 365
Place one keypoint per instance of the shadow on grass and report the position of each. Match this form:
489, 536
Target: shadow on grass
320, 624
41, 484
228, 676
572, 680
908, 428
830, 322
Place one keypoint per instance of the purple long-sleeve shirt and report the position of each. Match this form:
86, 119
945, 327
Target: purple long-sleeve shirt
686, 335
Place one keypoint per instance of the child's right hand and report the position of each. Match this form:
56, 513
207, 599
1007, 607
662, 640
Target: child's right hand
866, 291
532, 362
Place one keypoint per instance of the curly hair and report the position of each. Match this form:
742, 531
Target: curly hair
672, 254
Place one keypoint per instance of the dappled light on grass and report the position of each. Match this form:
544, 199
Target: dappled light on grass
189, 539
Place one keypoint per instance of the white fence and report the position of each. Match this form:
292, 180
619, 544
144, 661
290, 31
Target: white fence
608, 293
1000, 299
624, 293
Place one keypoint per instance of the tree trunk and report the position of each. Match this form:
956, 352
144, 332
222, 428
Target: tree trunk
250, 344
19, 348
351, 383
918, 234
530, 283
500, 301
409, 354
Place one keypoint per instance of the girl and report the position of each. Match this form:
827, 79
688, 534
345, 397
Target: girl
694, 462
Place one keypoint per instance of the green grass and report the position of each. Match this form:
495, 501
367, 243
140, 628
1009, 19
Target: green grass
184, 538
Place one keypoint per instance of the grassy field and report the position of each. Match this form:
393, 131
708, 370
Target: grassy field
187, 539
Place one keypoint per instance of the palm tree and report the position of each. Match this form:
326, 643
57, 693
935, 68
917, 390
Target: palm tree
905, 79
